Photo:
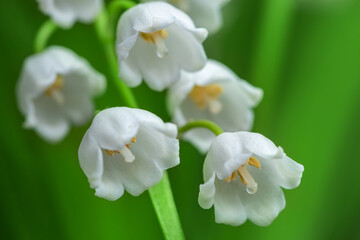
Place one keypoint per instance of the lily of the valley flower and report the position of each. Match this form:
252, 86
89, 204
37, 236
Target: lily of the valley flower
128, 149
155, 41
66, 12
204, 13
56, 88
214, 93
243, 175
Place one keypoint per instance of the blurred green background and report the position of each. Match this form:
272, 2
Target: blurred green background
305, 54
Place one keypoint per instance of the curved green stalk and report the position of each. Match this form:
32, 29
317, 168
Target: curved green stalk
116, 6
202, 124
43, 35
101, 25
160, 194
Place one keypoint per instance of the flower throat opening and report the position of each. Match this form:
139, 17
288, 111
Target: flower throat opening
54, 90
207, 96
157, 38
245, 176
125, 152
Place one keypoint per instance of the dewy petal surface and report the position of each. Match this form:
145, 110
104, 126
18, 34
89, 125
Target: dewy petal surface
138, 56
55, 90
66, 12
230, 156
152, 142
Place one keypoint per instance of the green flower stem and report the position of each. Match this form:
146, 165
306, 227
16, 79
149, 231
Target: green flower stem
164, 204
202, 124
116, 6
43, 35
101, 25
160, 194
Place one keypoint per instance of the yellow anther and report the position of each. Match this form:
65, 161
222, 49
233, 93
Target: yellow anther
207, 96
157, 38
54, 90
245, 176
111, 152
128, 145
153, 36
254, 162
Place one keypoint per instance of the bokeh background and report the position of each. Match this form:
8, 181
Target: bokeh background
305, 54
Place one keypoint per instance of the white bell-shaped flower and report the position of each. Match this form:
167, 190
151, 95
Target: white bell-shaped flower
128, 149
155, 41
66, 12
55, 90
204, 13
243, 175
214, 93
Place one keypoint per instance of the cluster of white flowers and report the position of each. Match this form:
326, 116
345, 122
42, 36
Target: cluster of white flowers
128, 148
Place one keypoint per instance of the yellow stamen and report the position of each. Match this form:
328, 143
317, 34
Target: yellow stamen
125, 152
254, 162
157, 38
54, 90
111, 153
245, 176
207, 96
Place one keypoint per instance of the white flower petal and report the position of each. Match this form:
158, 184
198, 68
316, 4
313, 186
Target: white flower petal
102, 177
66, 12
266, 204
258, 144
207, 193
114, 127
225, 156
204, 13
228, 203
47, 120
285, 171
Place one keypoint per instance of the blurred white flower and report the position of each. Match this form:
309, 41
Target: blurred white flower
127, 148
243, 175
55, 89
204, 13
66, 12
214, 93
155, 41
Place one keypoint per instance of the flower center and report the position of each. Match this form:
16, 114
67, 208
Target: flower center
207, 96
125, 152
54, 90
157, 38
245, 176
